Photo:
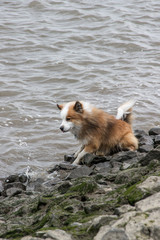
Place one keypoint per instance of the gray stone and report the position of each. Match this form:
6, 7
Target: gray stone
132, 175
124, 209
157, 139
61, 166
14, 185
100, 221
64, 187
144, 226
107, 233
153, 154
30, 238
58, 234
140, 133
124, 156
81, 171
145, 148
147, 140
149, 204
13, 192
69, 158
90, 159
154, 131
151, 184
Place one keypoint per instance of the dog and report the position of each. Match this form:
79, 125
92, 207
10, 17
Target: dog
99, 132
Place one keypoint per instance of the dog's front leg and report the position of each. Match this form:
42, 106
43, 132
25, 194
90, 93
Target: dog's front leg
79, 157
78, 151
90, 148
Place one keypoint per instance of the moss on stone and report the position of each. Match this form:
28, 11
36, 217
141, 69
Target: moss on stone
84, 187
133, 194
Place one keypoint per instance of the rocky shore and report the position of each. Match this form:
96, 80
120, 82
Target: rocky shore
113, 197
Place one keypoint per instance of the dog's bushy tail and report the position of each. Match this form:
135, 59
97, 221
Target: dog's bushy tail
124, 112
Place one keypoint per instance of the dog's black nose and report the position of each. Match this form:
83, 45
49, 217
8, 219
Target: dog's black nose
62, 128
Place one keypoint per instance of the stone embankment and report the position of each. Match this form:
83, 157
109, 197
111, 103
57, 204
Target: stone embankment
114, 197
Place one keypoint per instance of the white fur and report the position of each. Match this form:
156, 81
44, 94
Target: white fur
67, 125
124, 109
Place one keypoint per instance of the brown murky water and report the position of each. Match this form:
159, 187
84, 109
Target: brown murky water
51, 52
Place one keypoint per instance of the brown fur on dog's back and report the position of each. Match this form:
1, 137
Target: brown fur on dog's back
104, 133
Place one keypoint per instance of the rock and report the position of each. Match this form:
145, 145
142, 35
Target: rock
131, 176
61, 166
124, 156
13, 192
67, 166
116, 166
107, 233
157, 139
153, 154
58, 234
144, 226
81, 171
140, 133
145, 148
30, 238
100, 221
90, 159
154, 131
149, 204
69, 158
145, 140
124, 209
16, 178
151, 184
102, 167
64, 187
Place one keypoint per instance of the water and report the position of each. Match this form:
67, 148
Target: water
104, 52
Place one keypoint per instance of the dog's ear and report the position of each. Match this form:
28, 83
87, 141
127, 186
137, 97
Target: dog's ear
60, 106
78, 107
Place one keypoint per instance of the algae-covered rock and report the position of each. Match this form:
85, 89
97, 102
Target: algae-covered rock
131, 176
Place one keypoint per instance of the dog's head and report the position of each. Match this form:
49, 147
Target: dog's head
72, 115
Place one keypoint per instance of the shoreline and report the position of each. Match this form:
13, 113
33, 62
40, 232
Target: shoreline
113, 196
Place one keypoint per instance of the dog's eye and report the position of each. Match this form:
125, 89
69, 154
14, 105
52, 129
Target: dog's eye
68, 118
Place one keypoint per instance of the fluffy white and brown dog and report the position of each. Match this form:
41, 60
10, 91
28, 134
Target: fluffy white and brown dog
98, 131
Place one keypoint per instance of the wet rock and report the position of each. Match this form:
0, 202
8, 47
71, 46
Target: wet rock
107, 233
81, 171
103, 167
140, 133
157, 139
13, 192
90, 159
61, 166
69, 158
154, 131
145, 148
16, 178
145, 140
64, 187
153, 154
124, 156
